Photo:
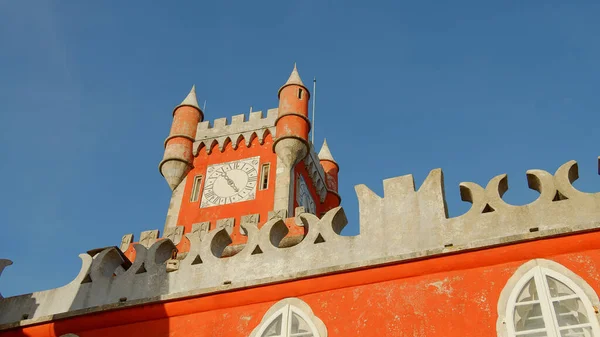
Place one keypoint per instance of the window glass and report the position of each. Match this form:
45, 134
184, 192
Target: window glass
558, 288
264, 176
289, 321
299, 327
274, 329
577, 332
550, 304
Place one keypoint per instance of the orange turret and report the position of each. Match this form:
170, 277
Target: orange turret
178, 157
292, 126
331, 169
292, 121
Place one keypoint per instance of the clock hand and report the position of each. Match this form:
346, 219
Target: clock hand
230, 182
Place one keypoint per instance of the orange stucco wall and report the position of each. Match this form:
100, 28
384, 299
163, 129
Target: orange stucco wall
191, 212
454, 295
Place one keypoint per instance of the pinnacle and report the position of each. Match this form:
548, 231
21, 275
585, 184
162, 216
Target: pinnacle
191, 99
294, 77
325, 154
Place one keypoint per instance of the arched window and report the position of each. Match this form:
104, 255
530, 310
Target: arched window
544, 302
290, 317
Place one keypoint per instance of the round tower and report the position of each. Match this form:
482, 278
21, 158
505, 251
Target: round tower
292, 123
178, 158
292, 127
331, 168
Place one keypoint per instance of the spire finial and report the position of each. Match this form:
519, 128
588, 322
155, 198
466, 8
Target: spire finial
294, 77
191, 99
325, 153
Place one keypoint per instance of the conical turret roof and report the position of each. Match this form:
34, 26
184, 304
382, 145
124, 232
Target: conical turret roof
325, 153
190, 100
293, 80
294, 77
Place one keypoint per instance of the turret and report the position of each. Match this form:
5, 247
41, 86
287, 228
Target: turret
292, 126
178, 158
331, 169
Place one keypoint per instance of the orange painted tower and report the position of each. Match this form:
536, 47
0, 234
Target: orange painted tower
227, 172
291, 144
331, 168
177, 160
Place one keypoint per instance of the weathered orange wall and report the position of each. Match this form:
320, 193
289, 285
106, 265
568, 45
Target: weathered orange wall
453, 295
191, 212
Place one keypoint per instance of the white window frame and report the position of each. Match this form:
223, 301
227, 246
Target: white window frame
538, 270
196, 188
265, 169
286, 308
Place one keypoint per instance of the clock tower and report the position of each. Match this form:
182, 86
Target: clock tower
247, 168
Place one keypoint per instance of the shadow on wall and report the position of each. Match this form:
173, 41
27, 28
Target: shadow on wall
114, 282
27, 304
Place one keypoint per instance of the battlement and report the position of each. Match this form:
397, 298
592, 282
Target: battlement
403, 224
222, 131
176, 233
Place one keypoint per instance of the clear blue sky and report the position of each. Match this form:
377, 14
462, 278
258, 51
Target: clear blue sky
478, 88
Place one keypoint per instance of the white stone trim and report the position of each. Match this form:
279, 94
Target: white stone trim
538, 269
316, 173
175, 205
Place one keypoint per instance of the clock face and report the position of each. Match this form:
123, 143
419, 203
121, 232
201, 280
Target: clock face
230, 182
303, 197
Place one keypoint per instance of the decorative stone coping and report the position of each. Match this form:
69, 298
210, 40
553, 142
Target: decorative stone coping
220, 132
401, 225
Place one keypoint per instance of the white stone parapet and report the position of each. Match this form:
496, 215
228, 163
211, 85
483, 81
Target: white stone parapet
220, 132
403, 224
316, 173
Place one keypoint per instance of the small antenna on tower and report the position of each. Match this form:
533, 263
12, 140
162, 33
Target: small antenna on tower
204, 107
312, 134
251, 109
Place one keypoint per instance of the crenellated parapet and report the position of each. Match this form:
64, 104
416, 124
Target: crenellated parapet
222, 131
422, 214
403, 224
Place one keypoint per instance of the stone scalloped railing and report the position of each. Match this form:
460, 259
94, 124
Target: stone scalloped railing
404, 224
220, 133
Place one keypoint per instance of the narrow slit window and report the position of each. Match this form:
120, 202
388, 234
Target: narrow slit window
264, 176
299, 93
196, 188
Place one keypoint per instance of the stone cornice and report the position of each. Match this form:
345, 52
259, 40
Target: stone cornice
402, 225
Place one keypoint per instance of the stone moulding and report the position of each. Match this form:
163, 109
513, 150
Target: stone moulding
316, 173
221, 133
402, 225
